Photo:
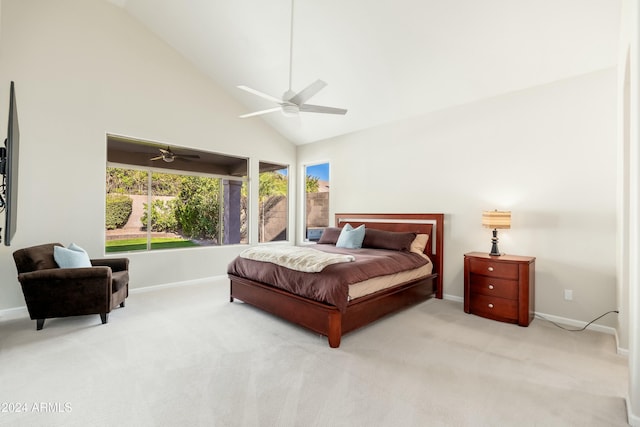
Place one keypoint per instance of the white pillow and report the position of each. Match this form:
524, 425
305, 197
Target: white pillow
351, 238
72, 257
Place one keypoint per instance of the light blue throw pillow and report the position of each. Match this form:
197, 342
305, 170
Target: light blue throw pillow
351, 238
72, 257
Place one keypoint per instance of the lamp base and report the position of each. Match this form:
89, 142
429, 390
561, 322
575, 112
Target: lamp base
494, 244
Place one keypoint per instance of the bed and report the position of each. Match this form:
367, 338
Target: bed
335, 320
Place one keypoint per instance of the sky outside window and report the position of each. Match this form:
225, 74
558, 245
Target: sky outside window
320, 171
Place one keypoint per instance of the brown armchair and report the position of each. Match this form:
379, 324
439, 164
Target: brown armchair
50, 291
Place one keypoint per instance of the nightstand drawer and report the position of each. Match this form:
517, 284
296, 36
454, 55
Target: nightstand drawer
494, 287
500, 287
493, 269
495, 308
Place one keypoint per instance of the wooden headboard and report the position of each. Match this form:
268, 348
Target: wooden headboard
423, 223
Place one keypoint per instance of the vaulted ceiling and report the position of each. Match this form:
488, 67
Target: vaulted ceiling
383, 60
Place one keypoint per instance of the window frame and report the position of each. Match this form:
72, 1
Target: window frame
287, 197
304, 168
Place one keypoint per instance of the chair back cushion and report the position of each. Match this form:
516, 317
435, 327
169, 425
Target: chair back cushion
35, 258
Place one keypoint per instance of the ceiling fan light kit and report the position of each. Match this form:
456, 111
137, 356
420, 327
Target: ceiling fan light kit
290, 110
292, 103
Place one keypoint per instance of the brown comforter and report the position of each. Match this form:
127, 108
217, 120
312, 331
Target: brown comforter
331, 285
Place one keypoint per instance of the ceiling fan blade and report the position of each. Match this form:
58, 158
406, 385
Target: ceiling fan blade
308, 108
156, 158
260, 94
257, 113
308, 92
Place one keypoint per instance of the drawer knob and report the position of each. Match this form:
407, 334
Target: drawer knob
490, 268
490, 286
490, 305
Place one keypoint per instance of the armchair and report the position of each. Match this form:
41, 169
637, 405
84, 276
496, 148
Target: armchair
50, 291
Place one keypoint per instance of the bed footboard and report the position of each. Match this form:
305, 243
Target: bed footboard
321, 318
325, 319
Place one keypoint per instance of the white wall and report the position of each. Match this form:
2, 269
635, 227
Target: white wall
83, 68
548, 154
629, 196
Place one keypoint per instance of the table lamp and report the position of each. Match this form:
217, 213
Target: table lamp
496, 219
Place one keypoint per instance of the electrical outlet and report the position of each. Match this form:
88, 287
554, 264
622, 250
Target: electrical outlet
568, 295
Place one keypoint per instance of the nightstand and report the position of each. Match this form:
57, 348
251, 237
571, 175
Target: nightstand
500, 287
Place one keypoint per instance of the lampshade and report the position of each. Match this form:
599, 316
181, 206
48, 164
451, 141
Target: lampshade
496, 219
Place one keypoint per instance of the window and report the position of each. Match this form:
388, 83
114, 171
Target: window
273, 202
316, 200
158, 197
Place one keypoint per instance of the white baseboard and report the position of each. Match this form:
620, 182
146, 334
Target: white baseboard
632, 419
176, 284
576, 323
13, 313
21, 312
565, 321
621, 351
455, 298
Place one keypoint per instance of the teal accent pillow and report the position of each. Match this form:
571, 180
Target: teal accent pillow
72, 257
351, 238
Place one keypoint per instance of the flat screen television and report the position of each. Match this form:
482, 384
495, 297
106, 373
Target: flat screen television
9, 170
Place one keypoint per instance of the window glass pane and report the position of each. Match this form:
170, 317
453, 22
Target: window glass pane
244, 213
273, 202
126, 194
158, 218
197, 210
186, 198
317, 200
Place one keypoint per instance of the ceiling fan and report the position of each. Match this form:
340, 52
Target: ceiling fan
169, 156
292, 103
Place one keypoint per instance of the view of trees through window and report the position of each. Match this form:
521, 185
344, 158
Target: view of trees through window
273, 202
148, 210
160, 197
317, 200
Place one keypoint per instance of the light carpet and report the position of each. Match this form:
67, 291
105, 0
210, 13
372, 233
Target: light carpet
186, 356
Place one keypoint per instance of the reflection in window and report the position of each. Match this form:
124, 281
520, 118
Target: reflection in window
273, 202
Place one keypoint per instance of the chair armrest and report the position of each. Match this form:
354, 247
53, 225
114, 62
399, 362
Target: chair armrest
116, 264
60, 292
55, 274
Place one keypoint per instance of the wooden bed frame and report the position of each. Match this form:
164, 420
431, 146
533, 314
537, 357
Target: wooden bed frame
326, 319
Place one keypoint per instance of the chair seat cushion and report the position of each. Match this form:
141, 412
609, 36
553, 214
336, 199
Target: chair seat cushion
119, 279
